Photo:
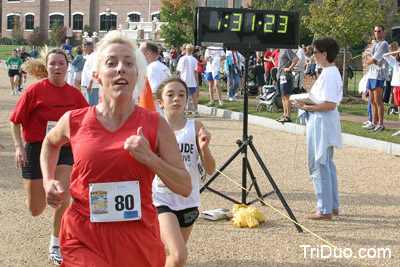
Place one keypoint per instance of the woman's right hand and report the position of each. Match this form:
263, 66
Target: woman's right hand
20, 158
54, 192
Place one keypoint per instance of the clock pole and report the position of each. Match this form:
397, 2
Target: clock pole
202, 36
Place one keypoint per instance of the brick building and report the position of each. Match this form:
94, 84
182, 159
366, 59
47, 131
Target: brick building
78, 13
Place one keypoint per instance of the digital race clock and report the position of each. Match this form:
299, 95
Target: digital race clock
246, 29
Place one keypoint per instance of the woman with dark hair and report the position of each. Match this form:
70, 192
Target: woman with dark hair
323, 129
37, 111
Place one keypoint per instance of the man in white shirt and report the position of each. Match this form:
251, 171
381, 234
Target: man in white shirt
214, 55
187, 71
90, 87
156, 71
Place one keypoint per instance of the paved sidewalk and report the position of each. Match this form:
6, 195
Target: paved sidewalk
343, 116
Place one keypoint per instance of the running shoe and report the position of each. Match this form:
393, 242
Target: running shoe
366, 124
55, 255
370, 127
211, 103
196, 114
379, 128
221, 103
396, 133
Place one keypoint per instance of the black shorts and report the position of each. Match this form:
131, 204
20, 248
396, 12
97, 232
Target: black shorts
186, 217
12, 73
32, 171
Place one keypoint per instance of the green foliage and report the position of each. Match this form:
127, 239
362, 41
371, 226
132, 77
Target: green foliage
86, 28
58, 33
36, 38
17, 33
348, 21
179, 15
6, 41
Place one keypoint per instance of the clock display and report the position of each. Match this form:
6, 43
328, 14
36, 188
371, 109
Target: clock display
246, 28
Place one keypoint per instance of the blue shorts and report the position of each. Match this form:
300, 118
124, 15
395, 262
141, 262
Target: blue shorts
192, 90
285, 88
373, 83
217, 77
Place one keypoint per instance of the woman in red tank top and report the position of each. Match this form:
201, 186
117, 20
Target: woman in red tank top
119, 147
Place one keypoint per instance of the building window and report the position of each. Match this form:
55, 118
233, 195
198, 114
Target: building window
198, 2
237, 3
217, 3
105, 24
155, 15
11, 21
29, 22
53, 19
77, 22
134, 17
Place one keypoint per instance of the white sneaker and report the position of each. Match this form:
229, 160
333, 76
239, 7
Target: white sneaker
211, 103
237, 95
55, 255
396, 133
234, 98
369, 127
196, 114
379, 128
366, 124
12, 93
221, 103
259, 96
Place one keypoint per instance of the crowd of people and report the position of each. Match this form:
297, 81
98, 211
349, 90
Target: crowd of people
150, 196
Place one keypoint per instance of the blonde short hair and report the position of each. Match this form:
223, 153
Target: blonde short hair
189, 48
116, 37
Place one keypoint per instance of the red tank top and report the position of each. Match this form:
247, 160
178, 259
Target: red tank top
100, 157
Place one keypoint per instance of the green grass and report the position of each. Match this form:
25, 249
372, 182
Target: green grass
349, 127
5, 50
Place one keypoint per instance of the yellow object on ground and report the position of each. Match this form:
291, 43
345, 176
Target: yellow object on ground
244, 216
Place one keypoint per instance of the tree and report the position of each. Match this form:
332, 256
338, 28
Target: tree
348, 21
36, 38
58, 33
179, 15
17, 33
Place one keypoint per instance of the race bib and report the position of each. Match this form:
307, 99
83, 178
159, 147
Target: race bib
282, 79
14, 66
50, 125
115, 202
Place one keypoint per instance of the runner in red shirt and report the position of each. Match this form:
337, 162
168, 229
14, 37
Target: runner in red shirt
37, 111
119, 147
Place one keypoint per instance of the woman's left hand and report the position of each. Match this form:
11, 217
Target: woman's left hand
138, 146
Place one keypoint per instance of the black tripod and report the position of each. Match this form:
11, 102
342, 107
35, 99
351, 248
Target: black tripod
248, 141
